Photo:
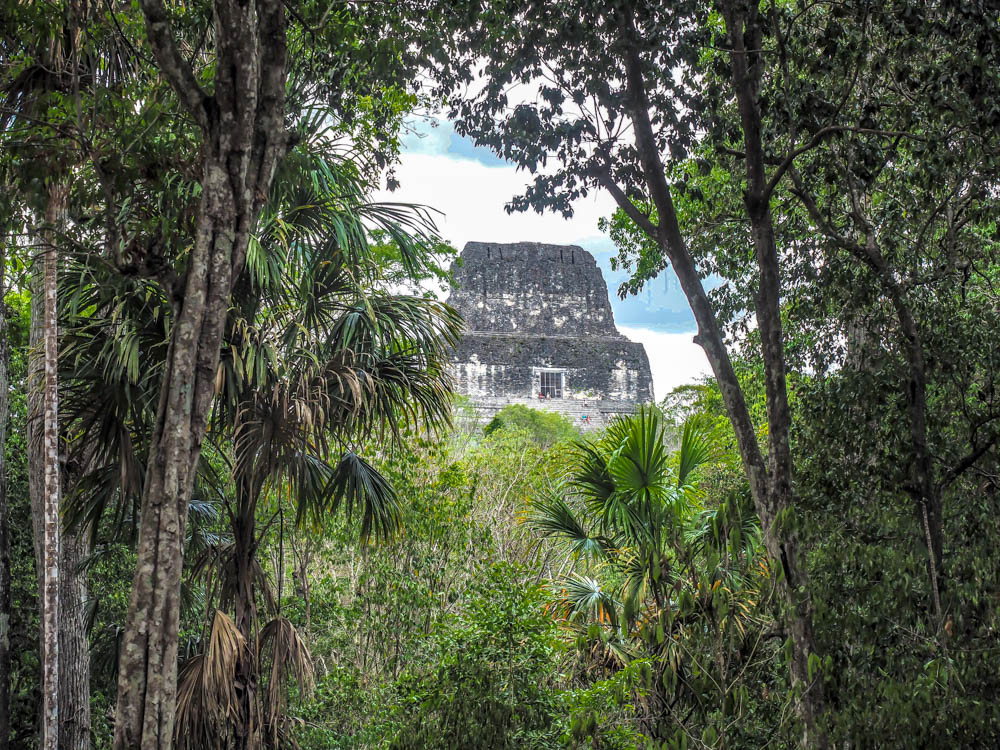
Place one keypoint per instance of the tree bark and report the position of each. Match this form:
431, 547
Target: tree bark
43, 455
74, 646
5, 580
147, 680
64, 642
243, 136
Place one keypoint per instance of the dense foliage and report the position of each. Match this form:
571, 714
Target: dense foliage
227, 387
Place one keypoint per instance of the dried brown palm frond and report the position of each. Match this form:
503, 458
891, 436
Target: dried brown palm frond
208, 699
287, 657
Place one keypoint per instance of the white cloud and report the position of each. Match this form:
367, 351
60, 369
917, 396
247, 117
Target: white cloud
674, 358
471, 197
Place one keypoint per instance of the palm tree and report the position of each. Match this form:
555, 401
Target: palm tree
319, 356
659, 568
317, 360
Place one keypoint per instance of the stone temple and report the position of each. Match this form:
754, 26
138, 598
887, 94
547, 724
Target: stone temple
539, 331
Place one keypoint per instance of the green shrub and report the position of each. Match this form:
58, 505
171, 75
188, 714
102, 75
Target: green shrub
547, 428
491, 680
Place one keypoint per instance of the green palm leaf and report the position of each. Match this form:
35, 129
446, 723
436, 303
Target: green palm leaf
583, 597
554, 518
361, 488
700, 446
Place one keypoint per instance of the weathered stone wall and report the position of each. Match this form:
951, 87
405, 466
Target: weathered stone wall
531, 308
488, 364
585, 414
528, 287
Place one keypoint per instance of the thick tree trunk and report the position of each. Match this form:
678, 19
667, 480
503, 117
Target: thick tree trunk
5, 581
770, 484
74, 650
147, 682
243, 133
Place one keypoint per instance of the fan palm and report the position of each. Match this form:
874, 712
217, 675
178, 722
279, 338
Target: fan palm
658, 562
631, 500
319, 357
318, 360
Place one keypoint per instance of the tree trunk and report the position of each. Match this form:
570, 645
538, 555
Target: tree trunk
74, 650
249, 722
770, 484
5, 581
924, 488
743, 29
147, 681
43, 455
65, 647
242, 125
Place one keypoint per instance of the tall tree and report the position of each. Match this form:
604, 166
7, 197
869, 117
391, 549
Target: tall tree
44, 451
243, 137
904, 187
41, 81
619, 103
59, 553
5, 577
882, 152
891, 187
224, 142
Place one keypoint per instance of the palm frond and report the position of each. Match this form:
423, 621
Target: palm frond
554, 518
591, 479
208, 700
639, 465
287, 659
583, 597
361, 489
700, 446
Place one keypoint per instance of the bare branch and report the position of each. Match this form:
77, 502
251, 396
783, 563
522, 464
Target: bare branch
969, 460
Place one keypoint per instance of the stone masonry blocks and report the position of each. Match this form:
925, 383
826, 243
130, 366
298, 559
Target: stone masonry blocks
531, 308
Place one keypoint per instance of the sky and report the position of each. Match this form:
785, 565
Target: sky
469, 186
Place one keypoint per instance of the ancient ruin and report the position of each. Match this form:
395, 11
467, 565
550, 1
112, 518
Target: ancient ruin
540, 332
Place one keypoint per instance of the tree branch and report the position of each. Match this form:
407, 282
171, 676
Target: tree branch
817, 216
270, 137
641, 220
968, 461
818, 137
173, 66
